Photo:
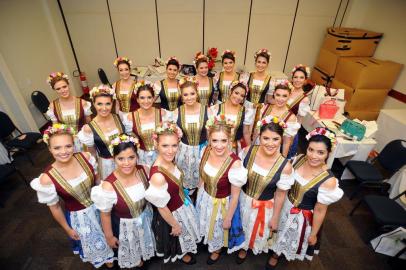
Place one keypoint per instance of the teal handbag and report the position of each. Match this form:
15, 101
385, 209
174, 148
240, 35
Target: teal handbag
353, 129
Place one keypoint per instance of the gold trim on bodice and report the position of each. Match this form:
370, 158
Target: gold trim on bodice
225, 91
192, 130
177, 181
72, 121
146, 135
256, 91
237, 121
125, 99
106, 140
172, 97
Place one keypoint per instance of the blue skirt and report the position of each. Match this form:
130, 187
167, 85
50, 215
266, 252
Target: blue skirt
236, 236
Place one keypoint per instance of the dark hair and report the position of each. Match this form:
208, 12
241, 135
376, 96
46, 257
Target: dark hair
117, 149
145, 87
201, 60
302, 69
322, 139
262, 54
227, 55
57, 79
123, 62
102, 95
173, 62
240, 84
283, 87
272, 127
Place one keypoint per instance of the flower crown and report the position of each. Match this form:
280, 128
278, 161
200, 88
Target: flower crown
285, 83
263, 50
324, 132
57, 128
185, 79
220, 119
141, 83
167, 127
123, 138
102, 89
54, 75
271, 119
234, 83
228, 51
199, 55
125, 59
172, 58
306, 68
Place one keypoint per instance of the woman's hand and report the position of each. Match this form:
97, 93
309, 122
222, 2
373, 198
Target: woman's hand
312, 240
273, 224
176, 230
112, 241
227, 223
73, 234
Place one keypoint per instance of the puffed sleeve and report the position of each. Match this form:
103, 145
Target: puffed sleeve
329, 196
171, 116
238, 176
158, 196
92, 160
286, 181
249, 116
291, 129
103, 199
271, 88
87, 108
128, 125
86, 138
46, 193
304, 108
51, 115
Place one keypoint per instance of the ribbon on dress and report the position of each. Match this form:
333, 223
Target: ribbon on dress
260, 220
218, 202
308, 221
187, 198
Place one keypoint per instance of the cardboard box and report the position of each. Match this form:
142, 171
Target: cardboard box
351, 41
348, 91
327, 61
363, 115
367, 72
320, 77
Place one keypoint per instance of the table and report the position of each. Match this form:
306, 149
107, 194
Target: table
398, 185
345, 149
392, 126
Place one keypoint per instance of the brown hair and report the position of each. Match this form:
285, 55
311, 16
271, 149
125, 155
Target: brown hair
123, 62
201, 60
262, 54
282, 87
190, 84
145, 87
228, 55
57, 79
220, 127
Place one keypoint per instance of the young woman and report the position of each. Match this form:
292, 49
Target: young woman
125, 87
70, 178
221, 178
102, 129
125, 214
167, 90
175, 222
205, 84
224, 78
269, 178
143, 122
67, 109
280, 110
305, 208
242, 117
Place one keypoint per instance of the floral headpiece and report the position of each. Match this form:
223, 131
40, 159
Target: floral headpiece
306, 68
172, 58
125, 59
54, 75
102, 89
199, 55
324, 132
167, 127
57, 128
285, 83
228, 51
142, 83
123, 138
271, 119
263, 50
191, 79
220, 119
234, 83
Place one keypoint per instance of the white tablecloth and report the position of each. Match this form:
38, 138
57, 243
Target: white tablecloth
398, 185
345, 149
392, 126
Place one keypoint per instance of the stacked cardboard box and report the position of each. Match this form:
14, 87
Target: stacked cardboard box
345, 62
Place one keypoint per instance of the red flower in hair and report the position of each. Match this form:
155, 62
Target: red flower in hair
211, 64
212, 52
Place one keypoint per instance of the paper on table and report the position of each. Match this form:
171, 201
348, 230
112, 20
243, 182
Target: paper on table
371, 127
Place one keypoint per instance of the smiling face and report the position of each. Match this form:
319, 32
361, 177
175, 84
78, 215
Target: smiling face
103, 105
126, 161
270, 142
62, 88
61, 147
172, 71
261, 63
124, 71
316, 153
237, 96
228, 65
281, 97
298, 79
189, 95
219, 142
145, 99
203, 69
167, 146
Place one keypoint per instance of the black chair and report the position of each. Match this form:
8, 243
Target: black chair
15, 144
391, 158
387, 212
103, 77
41, 102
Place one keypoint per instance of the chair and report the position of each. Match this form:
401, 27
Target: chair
391, 158
103, 77
8, 169
18, 143
387, 212
41, 102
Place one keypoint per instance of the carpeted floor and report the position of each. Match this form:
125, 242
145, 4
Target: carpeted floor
31, 239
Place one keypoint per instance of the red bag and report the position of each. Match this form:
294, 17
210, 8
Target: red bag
328, 109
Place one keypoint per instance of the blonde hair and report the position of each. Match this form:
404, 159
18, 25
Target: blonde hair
220, 128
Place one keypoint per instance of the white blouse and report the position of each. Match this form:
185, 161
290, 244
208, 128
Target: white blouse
88, 139
236, 176
47, 193
248, 115
86, 109
304, 107
284, 183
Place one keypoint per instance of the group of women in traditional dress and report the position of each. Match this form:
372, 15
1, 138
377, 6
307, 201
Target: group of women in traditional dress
162, 167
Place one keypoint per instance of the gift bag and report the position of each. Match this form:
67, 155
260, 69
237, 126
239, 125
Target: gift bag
390, 243
328, 109
321, 93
